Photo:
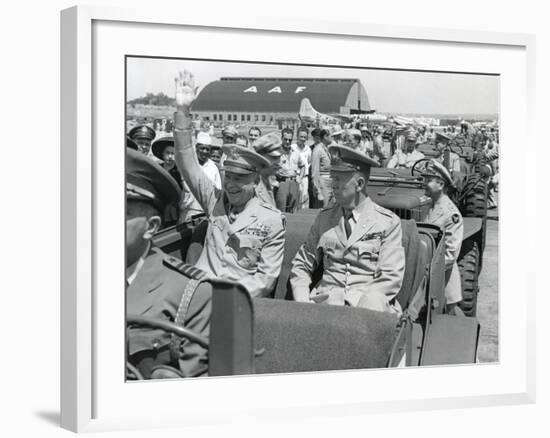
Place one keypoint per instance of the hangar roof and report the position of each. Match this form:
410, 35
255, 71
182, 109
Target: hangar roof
273, 94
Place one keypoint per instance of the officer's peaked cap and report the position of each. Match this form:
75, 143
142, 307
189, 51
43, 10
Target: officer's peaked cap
346, 159
436, 169
243, 160
142, 132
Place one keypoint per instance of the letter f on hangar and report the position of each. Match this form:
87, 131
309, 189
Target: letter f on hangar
299, 90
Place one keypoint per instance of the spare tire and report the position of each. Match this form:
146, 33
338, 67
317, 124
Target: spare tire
468, 267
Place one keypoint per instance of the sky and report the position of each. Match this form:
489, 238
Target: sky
388, 91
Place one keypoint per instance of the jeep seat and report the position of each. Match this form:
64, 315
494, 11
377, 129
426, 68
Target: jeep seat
196, 243
416, 262
297, 229
293, 337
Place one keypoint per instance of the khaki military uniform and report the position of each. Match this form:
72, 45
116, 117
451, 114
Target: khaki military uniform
320, 173
156, 291
264, 191
404, 159
365, 270
446, 215
248, 249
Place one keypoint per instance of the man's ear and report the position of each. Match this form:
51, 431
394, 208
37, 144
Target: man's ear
361, 183
153, 225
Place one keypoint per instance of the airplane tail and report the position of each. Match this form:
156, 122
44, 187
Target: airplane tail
309, 114
307, 111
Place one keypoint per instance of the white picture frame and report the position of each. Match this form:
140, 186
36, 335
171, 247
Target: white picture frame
87, 171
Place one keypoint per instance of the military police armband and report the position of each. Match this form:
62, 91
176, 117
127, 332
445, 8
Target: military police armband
184, 268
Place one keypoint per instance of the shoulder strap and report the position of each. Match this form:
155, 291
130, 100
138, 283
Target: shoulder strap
186, 297
183, 268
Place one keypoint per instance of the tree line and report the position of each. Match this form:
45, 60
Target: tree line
159, 99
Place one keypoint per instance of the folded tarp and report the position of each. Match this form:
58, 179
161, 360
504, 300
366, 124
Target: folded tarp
293, 337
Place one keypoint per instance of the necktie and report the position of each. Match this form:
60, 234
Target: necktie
347, 225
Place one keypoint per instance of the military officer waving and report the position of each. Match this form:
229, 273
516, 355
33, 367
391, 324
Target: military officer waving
245, 237
157, 285
446, 215
357, 241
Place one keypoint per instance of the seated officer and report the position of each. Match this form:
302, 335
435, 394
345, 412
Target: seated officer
357, 241
407, 157
245, 237
160, 286
447, 216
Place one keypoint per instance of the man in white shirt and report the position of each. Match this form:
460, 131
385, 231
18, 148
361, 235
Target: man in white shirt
305, 155
290, 164
366, 139
189, 206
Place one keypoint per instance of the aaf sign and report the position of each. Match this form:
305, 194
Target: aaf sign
277, 89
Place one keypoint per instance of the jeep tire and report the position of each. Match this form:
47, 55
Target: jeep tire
468, 267
474, 203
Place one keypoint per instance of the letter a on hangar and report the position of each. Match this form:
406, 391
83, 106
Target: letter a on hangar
252, 89
275, 90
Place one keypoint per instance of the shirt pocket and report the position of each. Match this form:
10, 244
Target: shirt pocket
247, 250
328, 248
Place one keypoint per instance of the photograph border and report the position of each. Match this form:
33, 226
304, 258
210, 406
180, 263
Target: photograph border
78, 198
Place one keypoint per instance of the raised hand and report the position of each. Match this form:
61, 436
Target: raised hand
186, 91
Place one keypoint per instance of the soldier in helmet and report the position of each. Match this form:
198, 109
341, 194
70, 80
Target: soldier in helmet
245, 236
157, 285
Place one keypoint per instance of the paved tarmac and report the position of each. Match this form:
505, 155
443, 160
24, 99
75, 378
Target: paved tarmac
487, 305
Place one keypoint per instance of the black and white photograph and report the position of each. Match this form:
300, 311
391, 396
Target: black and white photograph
292, 218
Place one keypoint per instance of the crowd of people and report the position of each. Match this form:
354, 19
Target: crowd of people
243, 187
299, 173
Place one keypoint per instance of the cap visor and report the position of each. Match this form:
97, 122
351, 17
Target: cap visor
238, 170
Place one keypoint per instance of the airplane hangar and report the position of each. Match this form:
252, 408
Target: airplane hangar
268, 101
